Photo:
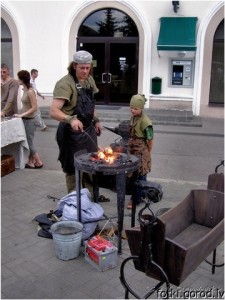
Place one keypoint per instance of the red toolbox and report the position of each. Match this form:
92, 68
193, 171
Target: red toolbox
99, 243
101, 253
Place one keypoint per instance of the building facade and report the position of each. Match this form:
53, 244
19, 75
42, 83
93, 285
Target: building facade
171, 51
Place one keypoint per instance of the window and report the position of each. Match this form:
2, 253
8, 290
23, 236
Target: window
216, 95
6, 46
108, 22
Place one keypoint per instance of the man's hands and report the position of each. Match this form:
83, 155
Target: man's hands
77, 125
98, 128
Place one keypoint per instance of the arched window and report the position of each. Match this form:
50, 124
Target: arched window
108, 22
216, 95
6, 46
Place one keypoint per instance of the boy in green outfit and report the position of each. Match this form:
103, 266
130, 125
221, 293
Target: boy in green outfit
141, 138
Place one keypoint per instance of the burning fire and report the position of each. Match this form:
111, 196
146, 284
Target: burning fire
107, 155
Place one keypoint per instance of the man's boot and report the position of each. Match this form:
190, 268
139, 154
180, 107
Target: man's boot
70, 182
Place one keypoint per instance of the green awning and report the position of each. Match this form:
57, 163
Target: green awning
177, 33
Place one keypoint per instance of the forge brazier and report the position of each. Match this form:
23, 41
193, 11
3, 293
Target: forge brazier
123, 165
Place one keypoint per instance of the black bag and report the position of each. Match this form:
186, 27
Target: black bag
45, 222
151, 191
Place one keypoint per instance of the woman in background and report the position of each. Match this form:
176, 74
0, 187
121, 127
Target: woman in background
29, 107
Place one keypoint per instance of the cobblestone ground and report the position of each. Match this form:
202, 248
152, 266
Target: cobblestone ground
30, 269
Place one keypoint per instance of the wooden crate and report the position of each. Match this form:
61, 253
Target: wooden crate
182, 238
7, 164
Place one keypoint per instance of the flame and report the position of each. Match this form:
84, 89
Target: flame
101, 155
107, 155
108, 151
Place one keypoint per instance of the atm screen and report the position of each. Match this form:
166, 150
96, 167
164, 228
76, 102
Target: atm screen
177, 75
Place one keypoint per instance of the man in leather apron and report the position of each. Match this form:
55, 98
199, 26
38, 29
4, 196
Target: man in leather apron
73, 106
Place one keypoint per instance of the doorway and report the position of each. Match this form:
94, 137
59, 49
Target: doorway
115, 68
112, 38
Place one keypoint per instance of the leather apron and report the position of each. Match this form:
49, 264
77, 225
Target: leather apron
70, 141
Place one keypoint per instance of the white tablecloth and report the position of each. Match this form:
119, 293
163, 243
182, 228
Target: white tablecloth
14, 141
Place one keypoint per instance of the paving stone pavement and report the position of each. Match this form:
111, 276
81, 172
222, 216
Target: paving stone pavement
31, 270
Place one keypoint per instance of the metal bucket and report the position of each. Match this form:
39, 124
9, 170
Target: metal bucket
67, 237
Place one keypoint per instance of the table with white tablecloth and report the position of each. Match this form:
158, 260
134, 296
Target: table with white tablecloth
14, 141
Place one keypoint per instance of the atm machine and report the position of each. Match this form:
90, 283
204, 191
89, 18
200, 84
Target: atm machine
182, 73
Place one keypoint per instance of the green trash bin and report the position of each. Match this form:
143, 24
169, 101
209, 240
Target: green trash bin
156, 85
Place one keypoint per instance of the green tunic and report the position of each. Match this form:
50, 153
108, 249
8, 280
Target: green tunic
137, 144
139, 125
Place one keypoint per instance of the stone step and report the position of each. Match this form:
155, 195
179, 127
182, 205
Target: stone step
158, 116
117, 114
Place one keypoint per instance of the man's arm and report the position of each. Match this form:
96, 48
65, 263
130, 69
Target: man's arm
97, 125
7, 108
57, 114
12, 97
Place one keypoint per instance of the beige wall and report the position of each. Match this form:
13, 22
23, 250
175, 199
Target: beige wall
44, 37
